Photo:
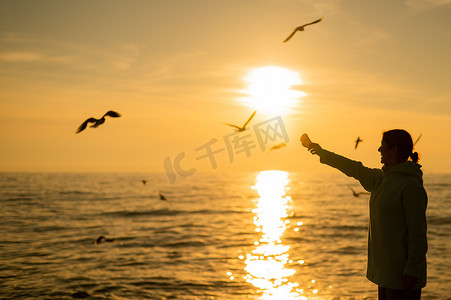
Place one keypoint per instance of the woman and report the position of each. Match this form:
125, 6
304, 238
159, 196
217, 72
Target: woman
397, 242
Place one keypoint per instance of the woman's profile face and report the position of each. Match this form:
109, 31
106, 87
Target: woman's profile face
387, 153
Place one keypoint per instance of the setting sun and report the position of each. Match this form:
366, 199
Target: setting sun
269, 89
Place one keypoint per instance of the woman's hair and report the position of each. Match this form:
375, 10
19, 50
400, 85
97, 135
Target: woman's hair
402, 140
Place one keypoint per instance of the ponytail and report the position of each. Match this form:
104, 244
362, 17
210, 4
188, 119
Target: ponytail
414, 157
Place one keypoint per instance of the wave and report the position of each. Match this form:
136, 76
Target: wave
75, 192
348, 250
48, 228
353, 228
21, 198
168, 212
437, 184
433, 220
185, 244
153, 281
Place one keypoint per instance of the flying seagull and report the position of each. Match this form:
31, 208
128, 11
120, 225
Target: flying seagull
357, 194
357, 141
300, 28
162, 197
278, 146
245, 124
97, 122
102, 238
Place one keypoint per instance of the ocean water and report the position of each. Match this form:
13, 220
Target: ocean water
264, 235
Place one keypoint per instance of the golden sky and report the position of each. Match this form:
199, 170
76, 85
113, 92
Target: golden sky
178, 70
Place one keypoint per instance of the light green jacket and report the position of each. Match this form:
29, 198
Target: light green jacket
397, 242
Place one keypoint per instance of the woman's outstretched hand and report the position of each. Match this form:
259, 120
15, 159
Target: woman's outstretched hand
312, 147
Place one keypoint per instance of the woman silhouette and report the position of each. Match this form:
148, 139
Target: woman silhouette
397, 242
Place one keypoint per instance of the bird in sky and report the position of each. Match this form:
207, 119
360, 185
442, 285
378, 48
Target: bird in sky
102, 238
357, 194
301, 28
245, 124
357, 141
97, 122
144, 181
278, 146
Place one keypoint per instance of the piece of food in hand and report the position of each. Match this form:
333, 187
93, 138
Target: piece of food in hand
305, 140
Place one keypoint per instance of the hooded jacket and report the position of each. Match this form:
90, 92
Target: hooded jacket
397, 241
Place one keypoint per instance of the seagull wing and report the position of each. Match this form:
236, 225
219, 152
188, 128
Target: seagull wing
233, 126
357, 141
84, 124
248, 120
99, 240
112, 114
417, 139
162, 197
290, 36
314, 22
355, 194
278, 146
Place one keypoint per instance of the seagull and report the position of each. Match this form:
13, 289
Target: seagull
245, 124
357, 141
278, 146
101, 238
300, 28
97, 122
162, 197
357, 194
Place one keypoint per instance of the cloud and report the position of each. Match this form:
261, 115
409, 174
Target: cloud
29, 57
372, 37
317, 7
361, 88
22, 48
358, 89
20, 56
127, 55
422, 5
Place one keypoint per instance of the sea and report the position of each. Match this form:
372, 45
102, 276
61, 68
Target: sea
259, 235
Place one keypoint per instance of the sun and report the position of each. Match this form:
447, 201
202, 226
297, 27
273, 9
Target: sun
269, 90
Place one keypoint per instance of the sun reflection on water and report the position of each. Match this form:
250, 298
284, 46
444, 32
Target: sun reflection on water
266, 265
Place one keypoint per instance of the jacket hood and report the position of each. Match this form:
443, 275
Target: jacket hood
407, 168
